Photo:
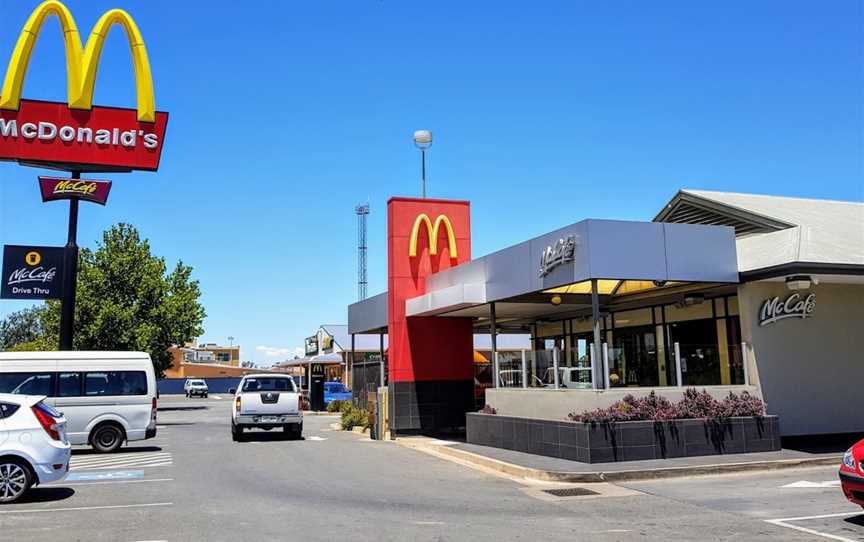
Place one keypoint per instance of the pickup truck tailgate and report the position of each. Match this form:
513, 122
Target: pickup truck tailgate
269, 402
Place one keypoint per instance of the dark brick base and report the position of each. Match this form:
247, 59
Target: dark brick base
624, 441
429, 407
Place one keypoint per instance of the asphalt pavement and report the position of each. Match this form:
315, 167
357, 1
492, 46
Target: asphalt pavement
194, 483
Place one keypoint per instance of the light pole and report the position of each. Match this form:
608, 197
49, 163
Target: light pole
423, 140
231, 341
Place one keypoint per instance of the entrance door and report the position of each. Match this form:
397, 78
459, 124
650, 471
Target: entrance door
635, 357
700, 357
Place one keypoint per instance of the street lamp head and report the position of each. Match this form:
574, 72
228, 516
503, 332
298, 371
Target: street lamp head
422, 139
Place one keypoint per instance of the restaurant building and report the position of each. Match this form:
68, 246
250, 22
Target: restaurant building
721, 291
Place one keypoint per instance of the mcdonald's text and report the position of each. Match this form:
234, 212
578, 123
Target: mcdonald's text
103, 137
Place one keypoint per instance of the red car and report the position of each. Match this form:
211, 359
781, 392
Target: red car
852, 474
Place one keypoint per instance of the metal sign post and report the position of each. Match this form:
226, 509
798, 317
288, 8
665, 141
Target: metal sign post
70, 276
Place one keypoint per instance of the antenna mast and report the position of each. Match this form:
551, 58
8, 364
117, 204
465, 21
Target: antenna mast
362, 211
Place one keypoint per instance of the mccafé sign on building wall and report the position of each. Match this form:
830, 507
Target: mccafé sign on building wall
76, 133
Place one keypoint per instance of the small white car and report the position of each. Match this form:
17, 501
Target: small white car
195, 386
33, 445
266, 401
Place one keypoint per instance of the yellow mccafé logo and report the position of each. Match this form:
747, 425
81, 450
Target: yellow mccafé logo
80, 64
432, 231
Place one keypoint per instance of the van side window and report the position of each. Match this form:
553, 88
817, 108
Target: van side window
69, 385
115, 383
26, 383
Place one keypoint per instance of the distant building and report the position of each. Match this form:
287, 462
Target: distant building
207, 360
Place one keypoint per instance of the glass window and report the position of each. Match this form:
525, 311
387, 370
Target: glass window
638, 317
69, 385
269, 384
732, 302
7, 409
26, 383
699, 350
116, 383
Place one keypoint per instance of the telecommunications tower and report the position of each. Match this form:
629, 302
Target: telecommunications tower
362, 211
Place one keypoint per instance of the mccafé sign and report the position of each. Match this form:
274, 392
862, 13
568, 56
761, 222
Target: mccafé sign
794, 306
31, 272
54, 188
77, 133
432, 232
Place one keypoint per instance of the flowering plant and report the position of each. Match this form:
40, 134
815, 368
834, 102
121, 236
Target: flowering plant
694, 404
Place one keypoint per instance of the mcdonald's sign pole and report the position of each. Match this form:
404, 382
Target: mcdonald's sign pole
78, 136
70, 276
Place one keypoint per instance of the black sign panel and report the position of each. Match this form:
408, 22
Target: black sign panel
32, 272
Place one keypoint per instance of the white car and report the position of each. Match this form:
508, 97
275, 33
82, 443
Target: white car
195, 386
266, 401
33, 445
108, 398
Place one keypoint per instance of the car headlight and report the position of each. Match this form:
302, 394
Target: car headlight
848, 460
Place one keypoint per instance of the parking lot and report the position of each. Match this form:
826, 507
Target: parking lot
193, 483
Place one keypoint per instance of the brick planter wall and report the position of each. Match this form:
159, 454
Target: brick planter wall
624, 441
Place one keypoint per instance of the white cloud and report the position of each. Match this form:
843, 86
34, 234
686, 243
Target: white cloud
274, 351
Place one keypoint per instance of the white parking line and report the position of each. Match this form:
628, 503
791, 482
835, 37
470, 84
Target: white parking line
784, 522
61, 484
216, 397
80, 508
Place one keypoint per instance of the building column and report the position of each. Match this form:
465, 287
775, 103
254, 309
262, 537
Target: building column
493, 333
349, 367
599, 377
381, 363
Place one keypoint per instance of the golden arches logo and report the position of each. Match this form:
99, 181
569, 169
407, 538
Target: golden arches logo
432, 231
81, 63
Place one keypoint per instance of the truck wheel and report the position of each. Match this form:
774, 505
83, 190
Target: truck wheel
294, 431
236, 433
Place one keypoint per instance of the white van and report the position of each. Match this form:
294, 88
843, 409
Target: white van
107, 398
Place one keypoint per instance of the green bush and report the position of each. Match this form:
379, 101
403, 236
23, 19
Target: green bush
354, 417
338, 406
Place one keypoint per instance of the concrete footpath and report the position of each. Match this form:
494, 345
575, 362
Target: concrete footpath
550, 469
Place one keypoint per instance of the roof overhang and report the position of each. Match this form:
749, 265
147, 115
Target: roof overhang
455, 297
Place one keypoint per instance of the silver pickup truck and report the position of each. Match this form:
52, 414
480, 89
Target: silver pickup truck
266, 401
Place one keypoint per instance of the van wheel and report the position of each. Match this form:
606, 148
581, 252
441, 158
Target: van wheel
15, 479
106, 438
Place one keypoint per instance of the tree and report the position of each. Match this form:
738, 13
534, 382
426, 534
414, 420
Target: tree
24, 326
125, 300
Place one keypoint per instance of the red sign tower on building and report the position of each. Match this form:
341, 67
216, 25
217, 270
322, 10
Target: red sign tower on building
431, 366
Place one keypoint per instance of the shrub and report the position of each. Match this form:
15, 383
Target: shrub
354, 417
741, 405
694, 404
697, 404
338, 406
488, 409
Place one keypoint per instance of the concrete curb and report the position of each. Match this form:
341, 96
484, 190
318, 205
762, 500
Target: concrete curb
519, 471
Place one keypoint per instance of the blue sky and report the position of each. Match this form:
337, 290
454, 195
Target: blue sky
284, 117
